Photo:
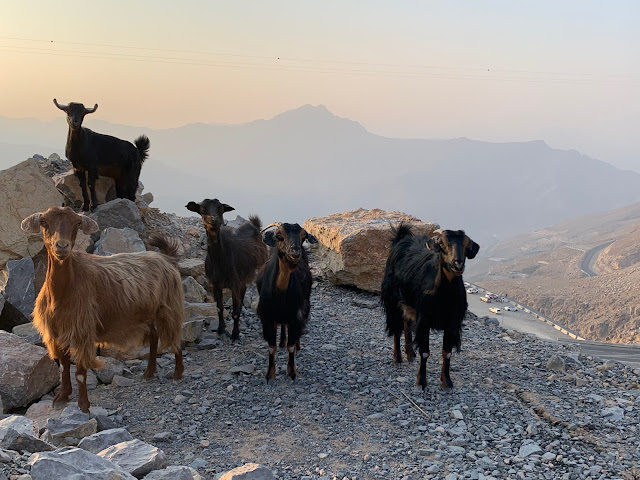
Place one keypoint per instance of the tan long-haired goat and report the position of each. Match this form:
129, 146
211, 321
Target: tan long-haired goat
124, 300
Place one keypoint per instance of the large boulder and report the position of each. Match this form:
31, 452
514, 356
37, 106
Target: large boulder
26, 371
174, 473
354, 246
26, 189
136, 457
74, 463
249, 471
119, 213
11, 317
119, 240
99, 441
69, 187
21, 434
16, 285
72, 425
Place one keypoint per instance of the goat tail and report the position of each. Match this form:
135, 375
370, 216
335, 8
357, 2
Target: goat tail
166, 244
255, 221
399, 232
142, 144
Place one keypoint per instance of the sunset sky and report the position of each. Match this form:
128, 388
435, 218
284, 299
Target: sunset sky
565, 72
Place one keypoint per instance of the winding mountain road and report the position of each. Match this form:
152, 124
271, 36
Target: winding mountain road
589, 259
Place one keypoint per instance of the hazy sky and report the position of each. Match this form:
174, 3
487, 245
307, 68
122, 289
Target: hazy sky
567, 72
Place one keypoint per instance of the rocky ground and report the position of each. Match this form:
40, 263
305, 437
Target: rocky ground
521, 408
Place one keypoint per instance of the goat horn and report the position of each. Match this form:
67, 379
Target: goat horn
274, 224
61, 107
91, 110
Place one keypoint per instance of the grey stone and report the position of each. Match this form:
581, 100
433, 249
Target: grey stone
40, 412
247, 368
136, 457
20, 433
556, 364
174, 473
99, 441
192, 267
74, 464
162, 437
613, 413
28, 332
111, 368
69, 186
26, 371
11, 317
73, 423
16, 285
120, 381
200, 310
249, 471
528, 449
118, 213
193, 291
119, 240
192, 329
491, 321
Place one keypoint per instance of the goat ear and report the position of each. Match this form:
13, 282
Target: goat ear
311, 239
269, 238
472, 249
227, 208
31, 224
89, 225
193, 207
433, 244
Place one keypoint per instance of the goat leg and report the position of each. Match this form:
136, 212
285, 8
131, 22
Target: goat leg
408, 341
83, 396
179, 368
292, 370
283, 335
422, 370
217, 296
65, 389
82, 179
397, 354
153, 352
93, 176
298, 345
235, 313
448, 341
271, 369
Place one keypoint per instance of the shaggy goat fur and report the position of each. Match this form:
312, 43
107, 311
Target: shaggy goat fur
285, 288
123, 300
233, 256
93, 154
423, 285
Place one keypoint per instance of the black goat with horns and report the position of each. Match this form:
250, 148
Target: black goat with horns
285, 289
423, 284
93, 154
233, 256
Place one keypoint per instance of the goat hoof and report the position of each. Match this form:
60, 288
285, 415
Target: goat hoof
234, 336
85, 207
220, 330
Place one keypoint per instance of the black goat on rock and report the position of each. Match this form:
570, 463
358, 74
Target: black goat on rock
285, 289
233, 256
93, 154
423, 284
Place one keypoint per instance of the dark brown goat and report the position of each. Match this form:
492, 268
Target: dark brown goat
233, 256
93, 154
285, 288
123, 300
423, 284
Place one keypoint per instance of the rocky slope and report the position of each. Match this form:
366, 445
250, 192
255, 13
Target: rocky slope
521, 408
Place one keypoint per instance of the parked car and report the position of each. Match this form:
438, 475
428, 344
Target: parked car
510, 308
472, 290
495, 310
485, 299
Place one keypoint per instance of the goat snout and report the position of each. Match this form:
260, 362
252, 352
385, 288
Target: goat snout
458, 266
63, 245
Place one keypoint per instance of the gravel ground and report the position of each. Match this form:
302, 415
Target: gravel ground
353, 414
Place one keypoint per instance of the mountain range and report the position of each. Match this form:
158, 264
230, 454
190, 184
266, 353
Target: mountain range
308, 162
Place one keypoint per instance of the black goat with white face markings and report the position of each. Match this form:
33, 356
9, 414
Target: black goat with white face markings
423, 286
233, 256
285, 289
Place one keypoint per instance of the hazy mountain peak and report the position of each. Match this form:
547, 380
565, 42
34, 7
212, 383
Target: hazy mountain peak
314, 116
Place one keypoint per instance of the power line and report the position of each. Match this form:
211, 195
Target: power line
284, 64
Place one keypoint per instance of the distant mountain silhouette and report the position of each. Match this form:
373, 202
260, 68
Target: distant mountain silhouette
308, 162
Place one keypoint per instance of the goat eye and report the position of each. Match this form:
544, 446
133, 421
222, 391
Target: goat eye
279, 236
